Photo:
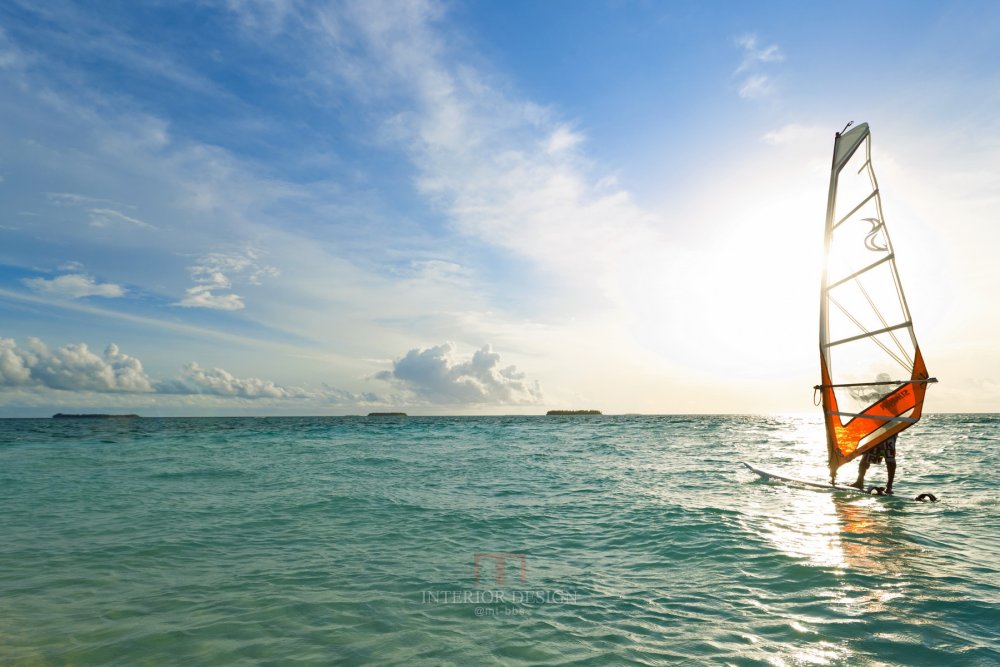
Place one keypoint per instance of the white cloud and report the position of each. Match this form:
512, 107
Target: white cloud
793, 133
435, 375
101, 213
503, 170
10, 55
74, 286
210, 274
194, 379
756, 86
75, 368
754, 83
754, 54
267, 16
201, 296
105, 217
73, 199
15, 369
70, 368
562, 139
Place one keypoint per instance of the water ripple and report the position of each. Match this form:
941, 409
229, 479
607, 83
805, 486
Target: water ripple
351, 540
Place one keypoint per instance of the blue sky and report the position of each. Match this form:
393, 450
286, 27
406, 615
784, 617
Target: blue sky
276, 207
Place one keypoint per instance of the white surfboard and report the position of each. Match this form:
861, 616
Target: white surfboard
801, 482
868, 491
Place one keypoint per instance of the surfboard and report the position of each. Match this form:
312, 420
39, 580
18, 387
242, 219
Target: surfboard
767, 475
868, 491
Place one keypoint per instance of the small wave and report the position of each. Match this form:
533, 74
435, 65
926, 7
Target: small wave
210, 473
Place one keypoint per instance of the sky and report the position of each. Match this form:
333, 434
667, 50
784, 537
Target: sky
273, 207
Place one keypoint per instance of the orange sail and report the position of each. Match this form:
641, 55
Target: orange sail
873, 376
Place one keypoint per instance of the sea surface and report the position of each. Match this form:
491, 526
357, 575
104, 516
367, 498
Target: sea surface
599, 541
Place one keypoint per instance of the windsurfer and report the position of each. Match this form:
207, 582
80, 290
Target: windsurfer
887, 450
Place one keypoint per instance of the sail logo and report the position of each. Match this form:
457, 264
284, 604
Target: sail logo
871, 242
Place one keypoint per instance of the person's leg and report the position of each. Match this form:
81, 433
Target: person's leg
862, 469
890, 462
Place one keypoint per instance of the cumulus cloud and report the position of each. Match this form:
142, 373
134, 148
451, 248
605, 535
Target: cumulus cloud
212, 276
76, 368
194, 379
74, 286
203, 295
434, 374
71, 368
754, 83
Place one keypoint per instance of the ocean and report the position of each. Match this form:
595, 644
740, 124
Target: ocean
490, 541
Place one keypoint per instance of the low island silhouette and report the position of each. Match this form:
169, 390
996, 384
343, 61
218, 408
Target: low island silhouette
61, 415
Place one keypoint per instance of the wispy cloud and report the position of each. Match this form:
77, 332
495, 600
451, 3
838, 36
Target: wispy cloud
753, 82
788, 134
10, 55
76, 199
436, 374
105, 217
755, 54
101, 213
74, 286
504, 170
756, 86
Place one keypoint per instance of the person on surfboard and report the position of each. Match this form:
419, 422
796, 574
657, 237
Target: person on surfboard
887, 450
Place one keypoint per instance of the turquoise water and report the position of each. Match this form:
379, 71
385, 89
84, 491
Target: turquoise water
353, 541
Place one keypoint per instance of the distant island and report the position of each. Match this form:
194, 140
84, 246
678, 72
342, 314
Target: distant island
560, 413
386, 414
60, 415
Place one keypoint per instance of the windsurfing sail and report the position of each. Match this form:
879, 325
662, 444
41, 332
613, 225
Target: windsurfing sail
873, 377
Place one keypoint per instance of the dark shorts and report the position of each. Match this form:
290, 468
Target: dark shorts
886, 450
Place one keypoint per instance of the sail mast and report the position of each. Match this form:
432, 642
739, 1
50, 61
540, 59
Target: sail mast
824, 313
